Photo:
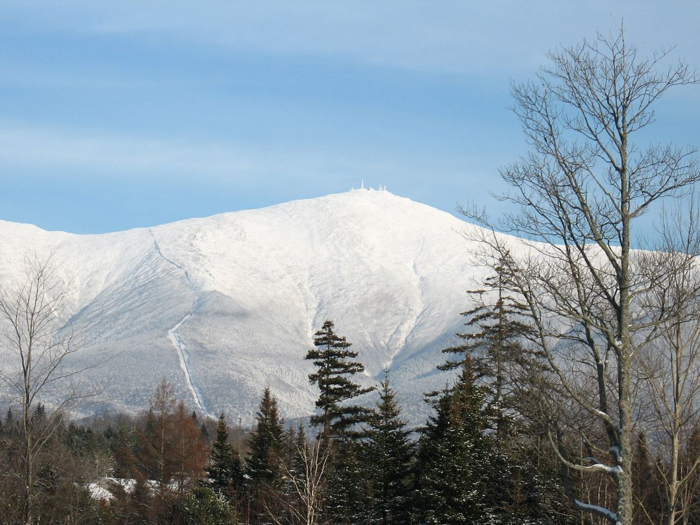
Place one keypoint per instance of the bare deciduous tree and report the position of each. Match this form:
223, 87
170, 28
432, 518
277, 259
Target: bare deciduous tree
668, 367
580, 192
37, 342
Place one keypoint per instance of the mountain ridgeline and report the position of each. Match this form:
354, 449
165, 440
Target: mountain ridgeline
224, 306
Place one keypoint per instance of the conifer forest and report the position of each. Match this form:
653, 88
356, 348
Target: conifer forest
570, 394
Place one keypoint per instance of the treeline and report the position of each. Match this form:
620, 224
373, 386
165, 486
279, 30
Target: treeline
484, 456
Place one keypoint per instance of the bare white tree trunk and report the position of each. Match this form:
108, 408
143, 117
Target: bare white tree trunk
309, 484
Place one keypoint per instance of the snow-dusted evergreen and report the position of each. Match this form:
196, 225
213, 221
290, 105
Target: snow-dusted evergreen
336, 368
456, 458
225, 469
388, 455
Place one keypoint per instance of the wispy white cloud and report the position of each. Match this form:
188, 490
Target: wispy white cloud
450, 36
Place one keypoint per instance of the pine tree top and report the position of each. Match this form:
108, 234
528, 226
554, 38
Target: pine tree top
221, 431
335, 368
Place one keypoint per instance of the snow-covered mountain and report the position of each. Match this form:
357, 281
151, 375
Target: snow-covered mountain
226, 305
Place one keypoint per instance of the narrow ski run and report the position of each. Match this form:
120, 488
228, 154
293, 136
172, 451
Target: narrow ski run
179, 344
184, 357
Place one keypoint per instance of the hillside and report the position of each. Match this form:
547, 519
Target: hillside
225, 305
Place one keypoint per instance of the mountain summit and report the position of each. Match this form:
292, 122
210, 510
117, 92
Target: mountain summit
223, 306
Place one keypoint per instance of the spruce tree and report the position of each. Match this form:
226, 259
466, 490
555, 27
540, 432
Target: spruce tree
300, 450
501, 368
494, 342
225, 471
266, 453
455, 457
347, 486
266, 442
335, 368
203, 506
387, 453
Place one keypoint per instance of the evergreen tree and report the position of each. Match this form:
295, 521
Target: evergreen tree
300, 450
497, 368
455, 457
347, 482
205, 506
265, 458
347, 485
335, 369
494, 343
387, 454
225, 470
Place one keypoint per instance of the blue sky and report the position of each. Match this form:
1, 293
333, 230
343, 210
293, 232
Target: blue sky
124, 114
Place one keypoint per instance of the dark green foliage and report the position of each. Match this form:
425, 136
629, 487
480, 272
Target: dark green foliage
301, 445
39, 414
482, 421
456, 458
347, 487
335, 368
497, 330
204, 507
225, 471
346, 493
387, 453
265, 458
524, 484
266, 443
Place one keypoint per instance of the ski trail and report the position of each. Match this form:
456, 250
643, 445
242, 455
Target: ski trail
184, 356
179, 344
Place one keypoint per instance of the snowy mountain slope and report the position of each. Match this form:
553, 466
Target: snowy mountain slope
225, 305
